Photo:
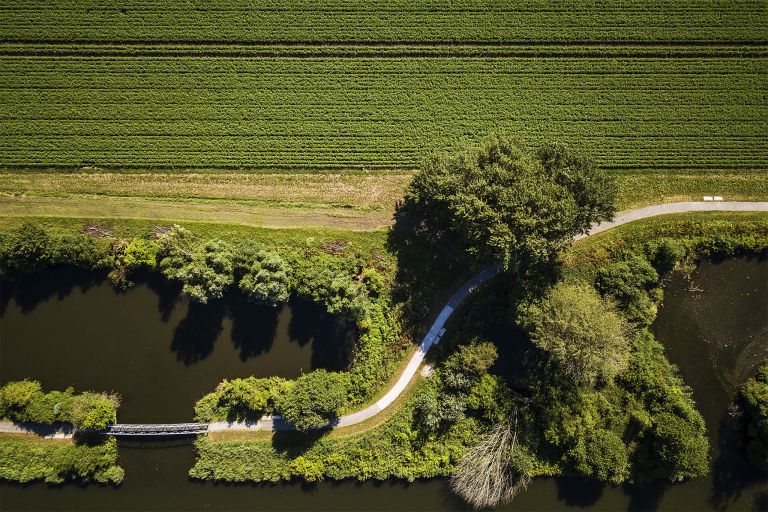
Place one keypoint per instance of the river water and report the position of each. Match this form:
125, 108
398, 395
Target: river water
713, 325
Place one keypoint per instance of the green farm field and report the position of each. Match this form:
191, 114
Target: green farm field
319, 111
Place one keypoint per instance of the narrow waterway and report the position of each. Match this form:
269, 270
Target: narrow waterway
714, 326
150, 344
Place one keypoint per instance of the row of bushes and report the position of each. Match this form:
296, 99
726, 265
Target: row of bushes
25, 401
312, 401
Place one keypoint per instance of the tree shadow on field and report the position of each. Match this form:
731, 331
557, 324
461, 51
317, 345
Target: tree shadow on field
194, 336
293, 443
426, 274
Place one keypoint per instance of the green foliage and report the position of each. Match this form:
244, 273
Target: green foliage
30, 247
632, 283
603, 455
753, 396
462, 383
594, 191
681, 448
315, 399
242, 399
204, 268
27, 458
268, 280
394, 449
141, 253
436, 411
499, 203
470, 362
16, 396
665, 253
583, 333
25, 401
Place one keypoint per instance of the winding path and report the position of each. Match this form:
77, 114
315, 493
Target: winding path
438, 327
436, 331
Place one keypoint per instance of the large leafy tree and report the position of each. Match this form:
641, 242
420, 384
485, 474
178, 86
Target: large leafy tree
268, 280
500, 202
581, 332
206, 269
315, 400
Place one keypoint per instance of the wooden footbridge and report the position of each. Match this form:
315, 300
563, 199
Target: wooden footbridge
155, 429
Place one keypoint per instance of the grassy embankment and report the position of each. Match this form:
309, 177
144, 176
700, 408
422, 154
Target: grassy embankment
351, 201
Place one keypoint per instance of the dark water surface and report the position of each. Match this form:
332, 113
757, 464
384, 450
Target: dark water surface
158, 350
716, 334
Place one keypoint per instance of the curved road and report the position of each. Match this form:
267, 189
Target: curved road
436, 331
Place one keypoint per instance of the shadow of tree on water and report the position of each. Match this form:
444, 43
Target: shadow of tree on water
33, 289
196, 333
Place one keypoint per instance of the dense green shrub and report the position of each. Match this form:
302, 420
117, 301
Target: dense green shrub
314, 400
580, 331
395, 449
267, 280
500, 203
603, 455
204, 268
633, 283
679, 446
25, 401
242, 399
753, 397
664, 253
30, 247
463, 375
27, 458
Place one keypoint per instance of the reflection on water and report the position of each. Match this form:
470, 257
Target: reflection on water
160, 351
715, 336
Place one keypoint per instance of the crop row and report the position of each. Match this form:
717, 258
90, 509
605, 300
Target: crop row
398, 21
109, 50
376, 113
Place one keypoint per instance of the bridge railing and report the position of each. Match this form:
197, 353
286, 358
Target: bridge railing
166, 429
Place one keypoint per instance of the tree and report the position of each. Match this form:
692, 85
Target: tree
268, 280
315, 400
16, 396
140, 253
495, 470
468, 364
630, 282
603, 455
581, 332
205, 269
501, 203
680, 447
664, 253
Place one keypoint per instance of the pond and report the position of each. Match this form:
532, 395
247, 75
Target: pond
714, 326
153, 346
